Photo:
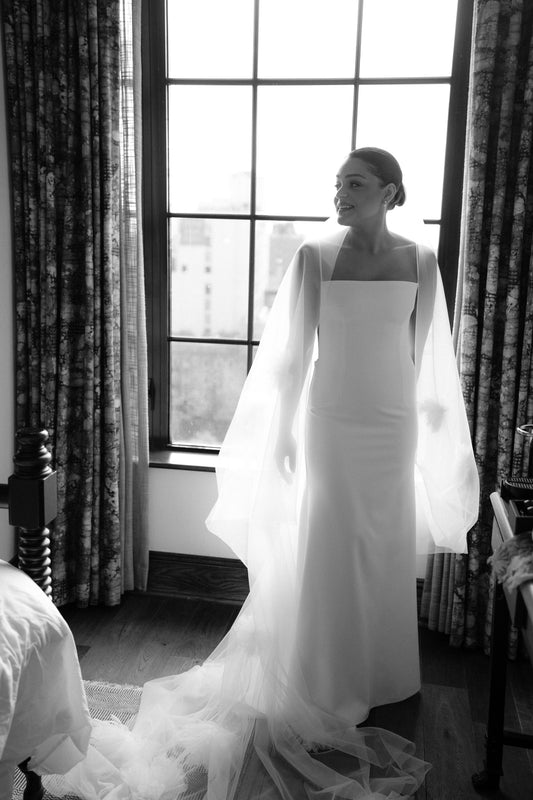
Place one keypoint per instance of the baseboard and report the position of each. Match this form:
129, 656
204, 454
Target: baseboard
221, 580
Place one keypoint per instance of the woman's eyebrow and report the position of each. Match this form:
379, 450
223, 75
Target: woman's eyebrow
353, 175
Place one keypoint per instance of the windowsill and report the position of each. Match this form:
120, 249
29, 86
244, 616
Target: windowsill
180, 459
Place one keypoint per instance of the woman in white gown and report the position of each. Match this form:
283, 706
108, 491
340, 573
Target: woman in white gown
350, 436
357, 628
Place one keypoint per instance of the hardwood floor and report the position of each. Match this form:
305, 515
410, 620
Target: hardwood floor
148, 637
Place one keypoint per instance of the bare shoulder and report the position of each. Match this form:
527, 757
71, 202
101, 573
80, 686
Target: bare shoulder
404, 258
401, 241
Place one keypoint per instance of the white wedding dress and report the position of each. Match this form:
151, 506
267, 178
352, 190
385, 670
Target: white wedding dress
357, 635
329, 628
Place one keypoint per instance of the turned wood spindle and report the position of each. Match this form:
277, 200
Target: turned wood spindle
32, 493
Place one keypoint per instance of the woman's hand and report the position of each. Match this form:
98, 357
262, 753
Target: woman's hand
285, 455
434, 414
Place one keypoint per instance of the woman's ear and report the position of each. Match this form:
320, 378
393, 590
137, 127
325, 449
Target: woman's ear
390, 193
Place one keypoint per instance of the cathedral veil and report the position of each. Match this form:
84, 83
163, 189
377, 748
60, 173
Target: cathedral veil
198, 733
256, 503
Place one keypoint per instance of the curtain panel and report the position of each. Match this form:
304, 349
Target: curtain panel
134, 351
64, 98
494, 309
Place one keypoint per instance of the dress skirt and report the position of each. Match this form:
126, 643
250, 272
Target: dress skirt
357, 640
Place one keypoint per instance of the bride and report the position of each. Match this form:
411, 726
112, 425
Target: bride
349, 449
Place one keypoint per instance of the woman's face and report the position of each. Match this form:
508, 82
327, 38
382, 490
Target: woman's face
360, 195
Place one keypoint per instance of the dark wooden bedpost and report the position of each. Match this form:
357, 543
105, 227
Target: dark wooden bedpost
31, 496
32, 491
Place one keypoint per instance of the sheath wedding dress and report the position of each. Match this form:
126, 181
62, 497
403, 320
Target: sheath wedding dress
329, 628
357, 630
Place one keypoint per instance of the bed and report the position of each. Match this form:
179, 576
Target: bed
44, 719
43, 710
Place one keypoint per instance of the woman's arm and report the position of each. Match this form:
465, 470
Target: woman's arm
303, 323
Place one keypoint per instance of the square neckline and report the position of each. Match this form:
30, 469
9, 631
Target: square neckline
332, 279
370, 280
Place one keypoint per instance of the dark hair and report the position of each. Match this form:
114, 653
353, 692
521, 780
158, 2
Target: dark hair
385, 167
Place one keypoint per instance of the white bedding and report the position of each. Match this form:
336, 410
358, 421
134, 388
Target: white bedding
43, 709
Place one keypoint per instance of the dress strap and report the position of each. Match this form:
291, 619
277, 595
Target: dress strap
427, 285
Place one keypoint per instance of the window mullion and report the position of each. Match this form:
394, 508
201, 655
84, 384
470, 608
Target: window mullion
357, 69
154, 208
253, 190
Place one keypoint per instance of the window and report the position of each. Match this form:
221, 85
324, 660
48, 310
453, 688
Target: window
249, 108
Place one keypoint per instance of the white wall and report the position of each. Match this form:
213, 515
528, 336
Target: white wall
180, 501
7, 536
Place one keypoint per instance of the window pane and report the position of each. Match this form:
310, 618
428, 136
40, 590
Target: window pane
275, 245
209, 277
432, 236
303, 135
307, 39
209, 148
206, 381
416, 41
410, 122
210, 38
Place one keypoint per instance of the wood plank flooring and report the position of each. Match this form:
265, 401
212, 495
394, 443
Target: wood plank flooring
147, 637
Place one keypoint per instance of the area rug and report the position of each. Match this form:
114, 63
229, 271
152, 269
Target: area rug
105, 700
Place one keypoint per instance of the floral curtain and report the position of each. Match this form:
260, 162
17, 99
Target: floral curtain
494, 310
64, 67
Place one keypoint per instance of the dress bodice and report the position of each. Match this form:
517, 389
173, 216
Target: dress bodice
365, 349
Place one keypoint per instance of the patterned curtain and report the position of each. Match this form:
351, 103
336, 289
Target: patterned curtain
494, 310
73, 227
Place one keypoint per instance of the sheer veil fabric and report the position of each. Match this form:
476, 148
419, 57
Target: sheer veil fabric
197, 733
253, 497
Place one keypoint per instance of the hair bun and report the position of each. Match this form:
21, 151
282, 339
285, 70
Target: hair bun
399, 197
385, 167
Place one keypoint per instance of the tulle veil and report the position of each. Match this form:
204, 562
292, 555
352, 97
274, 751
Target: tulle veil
245, 714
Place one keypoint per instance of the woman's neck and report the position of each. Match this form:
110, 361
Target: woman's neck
370, 236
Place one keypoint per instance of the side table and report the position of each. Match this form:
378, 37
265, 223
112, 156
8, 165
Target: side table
509, 606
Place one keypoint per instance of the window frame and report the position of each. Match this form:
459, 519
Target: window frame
156, 215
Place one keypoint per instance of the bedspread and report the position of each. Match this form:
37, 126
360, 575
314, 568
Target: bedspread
43, 709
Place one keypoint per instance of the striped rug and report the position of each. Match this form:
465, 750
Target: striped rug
105, 700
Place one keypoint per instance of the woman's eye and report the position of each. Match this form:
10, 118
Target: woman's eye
355, 185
